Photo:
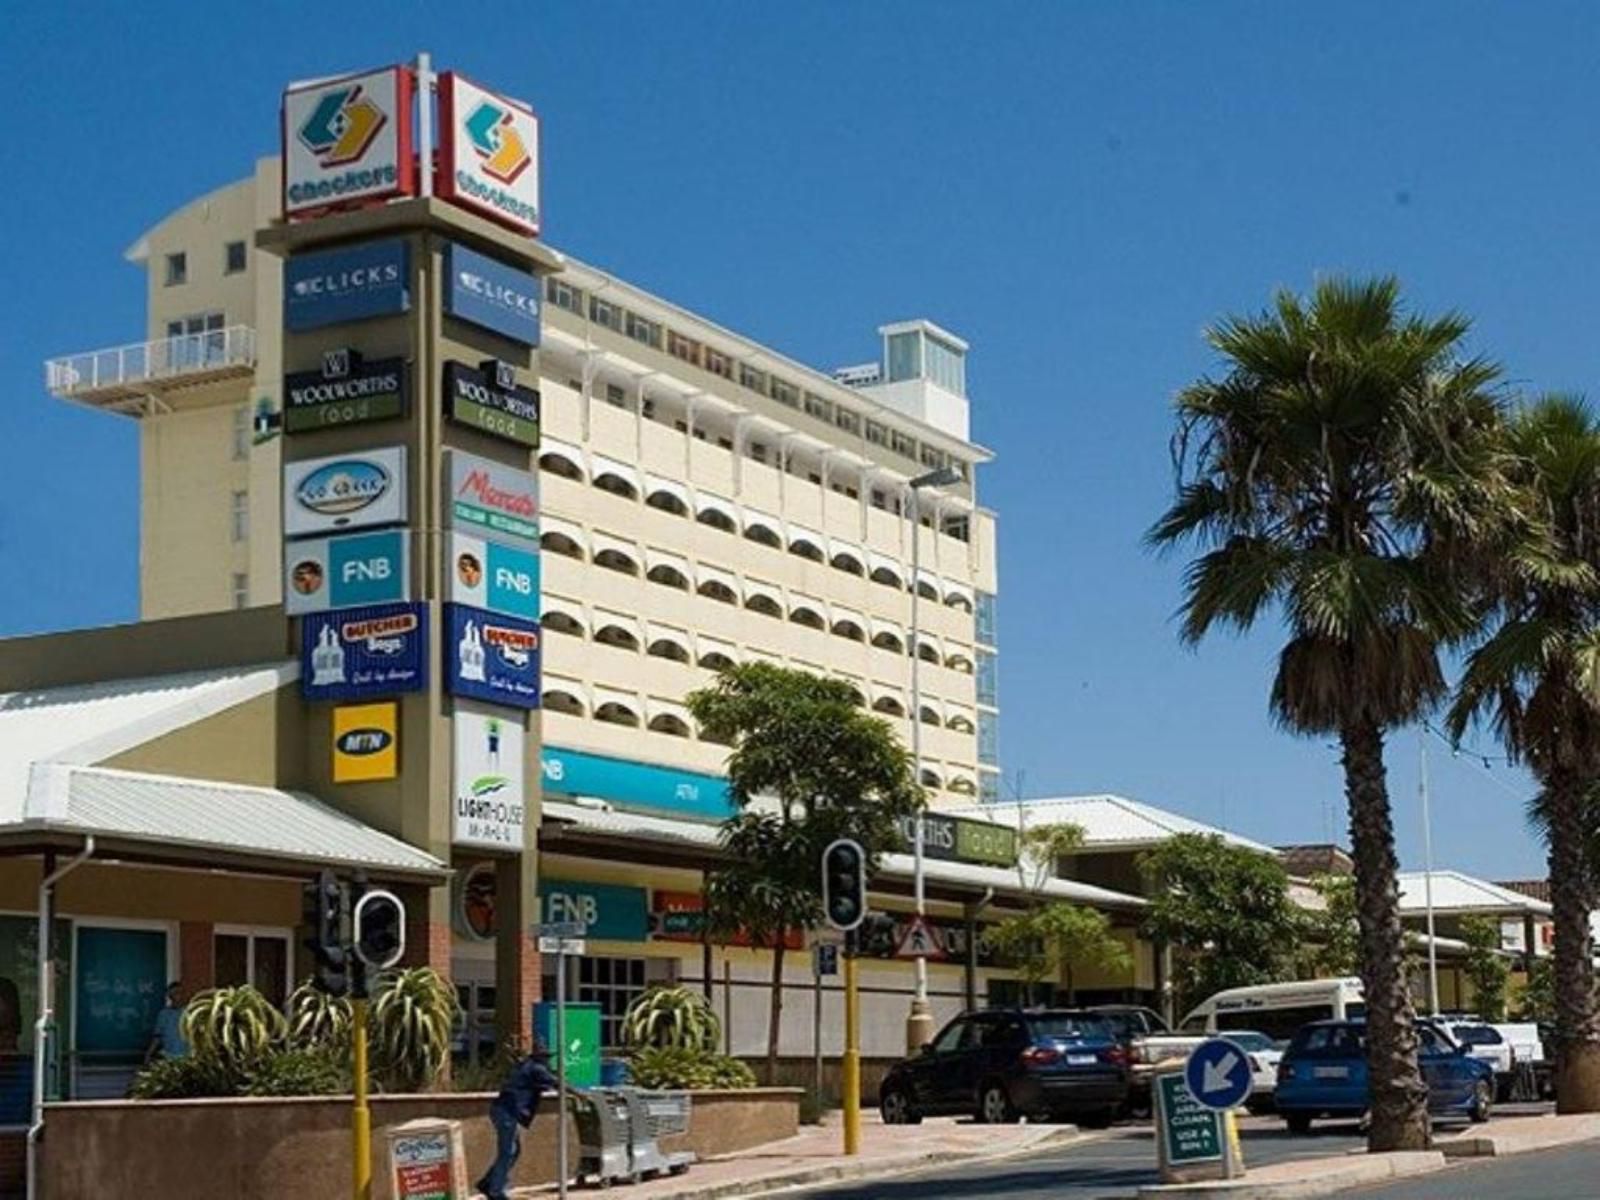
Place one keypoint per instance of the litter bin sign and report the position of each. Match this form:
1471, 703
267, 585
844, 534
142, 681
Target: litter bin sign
426, 1161
583, 1040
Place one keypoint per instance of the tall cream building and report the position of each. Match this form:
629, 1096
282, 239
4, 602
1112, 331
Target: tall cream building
706, 500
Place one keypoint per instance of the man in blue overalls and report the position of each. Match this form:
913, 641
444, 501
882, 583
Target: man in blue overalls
514, 1107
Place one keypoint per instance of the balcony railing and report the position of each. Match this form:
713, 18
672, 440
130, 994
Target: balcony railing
144, 368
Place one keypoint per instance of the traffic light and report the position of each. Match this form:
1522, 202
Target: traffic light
324, 916
380, 929
844, 884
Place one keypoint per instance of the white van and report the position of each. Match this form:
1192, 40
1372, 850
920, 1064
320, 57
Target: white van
1279, 1009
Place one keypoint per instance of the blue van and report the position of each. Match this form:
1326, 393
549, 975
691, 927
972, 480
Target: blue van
1324, 1074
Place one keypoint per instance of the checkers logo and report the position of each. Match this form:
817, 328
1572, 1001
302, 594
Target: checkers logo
496, 141
342, 126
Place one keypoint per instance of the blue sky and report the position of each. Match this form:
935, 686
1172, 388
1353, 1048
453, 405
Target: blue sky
1075, 188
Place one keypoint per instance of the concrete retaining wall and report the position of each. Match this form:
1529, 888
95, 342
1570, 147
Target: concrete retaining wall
265, 1149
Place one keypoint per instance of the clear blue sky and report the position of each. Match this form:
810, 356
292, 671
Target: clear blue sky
1075, 188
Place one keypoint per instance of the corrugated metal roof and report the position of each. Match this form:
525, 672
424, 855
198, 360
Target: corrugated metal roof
1109, 822
90, 723
603, 819
1454, 891
206, 815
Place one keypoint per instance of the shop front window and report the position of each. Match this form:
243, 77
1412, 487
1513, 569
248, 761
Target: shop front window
259, 959
613, 984
19, 1009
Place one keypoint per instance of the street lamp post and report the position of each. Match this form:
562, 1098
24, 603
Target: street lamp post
919, 1021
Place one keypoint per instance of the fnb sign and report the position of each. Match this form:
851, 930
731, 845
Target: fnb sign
495, 576
345, 572
613, 912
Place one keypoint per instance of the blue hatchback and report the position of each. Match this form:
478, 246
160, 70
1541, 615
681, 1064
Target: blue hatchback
1324, 1074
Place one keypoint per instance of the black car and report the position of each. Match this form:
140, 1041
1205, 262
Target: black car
1003, 1063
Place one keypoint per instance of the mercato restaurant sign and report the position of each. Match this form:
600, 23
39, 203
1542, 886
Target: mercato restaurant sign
958, 839
490, 498
347, 390
490, 398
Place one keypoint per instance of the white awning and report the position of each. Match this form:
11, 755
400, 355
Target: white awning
880, 626
708, 502
704, 574
604, 541
567, 529
886, 691
797, 601
610, 466
753, 518
755, 587
928, 578
935, 704
654, 558
799, 533
709, 645
882, 562
954, 712
655, 633
654, 484
562, 450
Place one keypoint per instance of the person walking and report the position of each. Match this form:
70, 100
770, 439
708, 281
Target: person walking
512, 1111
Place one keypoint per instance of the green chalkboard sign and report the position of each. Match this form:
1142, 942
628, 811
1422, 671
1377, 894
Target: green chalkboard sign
122, 979
1191, 1132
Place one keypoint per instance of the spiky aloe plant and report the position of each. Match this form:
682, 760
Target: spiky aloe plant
676, 1017
413, 1019
318, 1021
234, 1027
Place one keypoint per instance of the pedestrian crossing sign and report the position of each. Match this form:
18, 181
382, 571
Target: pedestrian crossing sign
918, 941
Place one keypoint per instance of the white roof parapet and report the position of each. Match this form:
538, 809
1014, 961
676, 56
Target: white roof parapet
1458, 892
1109, 822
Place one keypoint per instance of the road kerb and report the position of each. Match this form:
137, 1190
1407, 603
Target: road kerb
1303, 1178
1522, 1136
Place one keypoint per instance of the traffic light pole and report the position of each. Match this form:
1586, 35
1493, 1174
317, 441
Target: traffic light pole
851, 1071
361, 1115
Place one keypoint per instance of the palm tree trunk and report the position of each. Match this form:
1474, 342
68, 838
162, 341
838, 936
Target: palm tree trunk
775, 1012
1399, 1097
1577, 1023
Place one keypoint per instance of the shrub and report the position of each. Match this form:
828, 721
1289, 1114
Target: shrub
675, 1068
672, 1016
232, 1027
413, 1017
297, 1073
318, 1020
186, 1078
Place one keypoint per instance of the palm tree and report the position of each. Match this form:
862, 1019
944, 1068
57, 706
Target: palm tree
1330, 475
1536, 679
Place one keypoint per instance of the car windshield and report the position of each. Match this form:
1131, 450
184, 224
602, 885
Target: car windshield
1251, 1041
1070, 1026
1477, 1035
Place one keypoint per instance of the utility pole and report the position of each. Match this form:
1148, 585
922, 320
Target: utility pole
1427, 870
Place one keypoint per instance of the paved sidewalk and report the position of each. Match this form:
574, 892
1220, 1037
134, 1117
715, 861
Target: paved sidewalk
815, 1157
1518, 1135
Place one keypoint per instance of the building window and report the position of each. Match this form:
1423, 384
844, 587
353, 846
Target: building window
989, 787
785, 393
905, 356
258, 959
719, 364
984, 622
753, 379
946, 367
904, 445
644, 331
564, 295
988, 678
241, 433
241, 590
233, 258
958, 528
758, 451
932, 456
681, 347
239, 517
616, 397
847, 420
819, 408
613, 984
988, 739
877, 434
177, 268
608, 315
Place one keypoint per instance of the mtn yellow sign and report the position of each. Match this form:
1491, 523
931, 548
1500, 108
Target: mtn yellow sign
366, 742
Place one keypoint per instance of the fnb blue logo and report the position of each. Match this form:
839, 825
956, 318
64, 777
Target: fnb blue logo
367, 568
513, 581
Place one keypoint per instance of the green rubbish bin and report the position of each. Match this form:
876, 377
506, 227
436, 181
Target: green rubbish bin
583, 1039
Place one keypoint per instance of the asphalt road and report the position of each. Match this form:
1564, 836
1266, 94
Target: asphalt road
1115, 1165
1570, 1174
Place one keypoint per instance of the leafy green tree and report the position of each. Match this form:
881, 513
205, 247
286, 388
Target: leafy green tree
1537, 1002
806, 766
1486, 968
1330, 940
1224, 910
1330, 476
1536, 680
1053, 938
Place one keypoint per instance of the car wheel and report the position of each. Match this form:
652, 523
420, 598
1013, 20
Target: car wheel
1299, 1123
994, 1105
1482, 1101
895, 1108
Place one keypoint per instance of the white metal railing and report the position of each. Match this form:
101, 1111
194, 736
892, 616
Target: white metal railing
147, 362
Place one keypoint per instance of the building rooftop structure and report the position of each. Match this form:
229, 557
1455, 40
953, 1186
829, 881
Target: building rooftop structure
1109, 822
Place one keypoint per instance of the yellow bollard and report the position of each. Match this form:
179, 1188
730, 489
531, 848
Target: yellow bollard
361, 1116
851, 1073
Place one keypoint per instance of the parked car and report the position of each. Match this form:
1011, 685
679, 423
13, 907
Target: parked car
1486, 1043
1145, 1035
1265, 1055
1000, 1064
1324, 1074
